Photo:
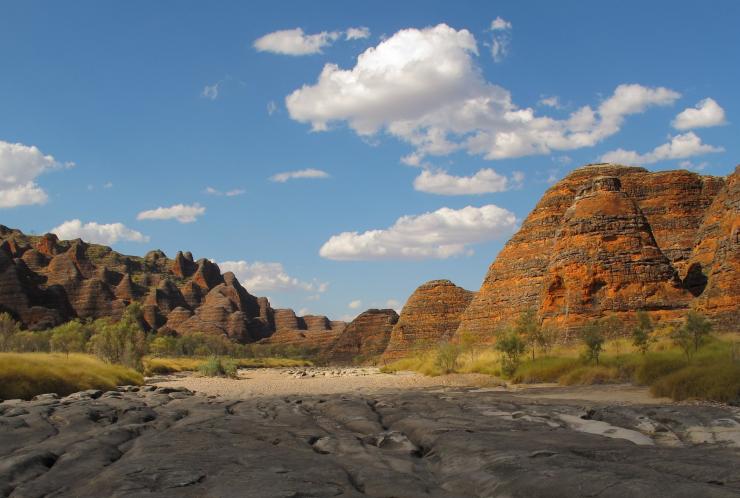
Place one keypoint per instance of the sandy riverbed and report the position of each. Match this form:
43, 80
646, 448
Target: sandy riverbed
316, 381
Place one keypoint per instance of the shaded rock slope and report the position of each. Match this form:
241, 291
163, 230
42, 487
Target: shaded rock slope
45, 282
365, 337
430, 315
163, 442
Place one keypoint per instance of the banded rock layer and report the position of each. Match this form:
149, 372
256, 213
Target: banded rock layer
45, 282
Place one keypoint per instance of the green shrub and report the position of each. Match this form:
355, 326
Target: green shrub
657, 365
121, 342
218, 367
591, 374
512, 346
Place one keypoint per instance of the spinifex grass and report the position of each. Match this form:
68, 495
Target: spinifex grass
24, 375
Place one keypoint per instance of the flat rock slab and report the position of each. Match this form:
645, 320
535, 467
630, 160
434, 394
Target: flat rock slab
447, 443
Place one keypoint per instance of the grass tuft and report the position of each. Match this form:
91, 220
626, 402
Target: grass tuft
25, 375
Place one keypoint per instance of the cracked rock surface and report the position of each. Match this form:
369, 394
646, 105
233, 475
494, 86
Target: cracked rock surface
423, 443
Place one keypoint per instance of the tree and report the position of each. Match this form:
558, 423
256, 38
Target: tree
163, 346
68, 338
642, 336
698, 327
593, 338
511, 345
528, 327
548, 336
683, 339
121, 342
8, 329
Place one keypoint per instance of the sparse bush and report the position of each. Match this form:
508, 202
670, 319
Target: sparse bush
512, 347
593, 338
27, 341
218, 367
528, 327
642, 336
8, 329
447, 357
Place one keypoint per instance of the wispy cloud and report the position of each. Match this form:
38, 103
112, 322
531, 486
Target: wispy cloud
302, 173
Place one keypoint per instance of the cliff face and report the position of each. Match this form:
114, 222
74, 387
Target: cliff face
365, 336
430, 315
45, 282
609, 239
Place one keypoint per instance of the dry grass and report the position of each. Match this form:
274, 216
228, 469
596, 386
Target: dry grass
164, 366
24, 375
712, 373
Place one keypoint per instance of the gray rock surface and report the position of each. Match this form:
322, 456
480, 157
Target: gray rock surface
425, 443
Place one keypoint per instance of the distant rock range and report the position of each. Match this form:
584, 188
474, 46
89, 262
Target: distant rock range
45, 282
607, 240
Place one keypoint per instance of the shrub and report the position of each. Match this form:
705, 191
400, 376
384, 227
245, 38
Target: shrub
642, 333
218, 367
512, 347
122, 342
591, 374
32, 342
528, 327
447, 357
593, 339
657, 365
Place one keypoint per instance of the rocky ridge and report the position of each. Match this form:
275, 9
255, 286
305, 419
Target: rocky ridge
45, 282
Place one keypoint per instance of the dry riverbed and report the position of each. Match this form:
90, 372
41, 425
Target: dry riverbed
313, 432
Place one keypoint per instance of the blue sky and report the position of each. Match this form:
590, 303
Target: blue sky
458, 116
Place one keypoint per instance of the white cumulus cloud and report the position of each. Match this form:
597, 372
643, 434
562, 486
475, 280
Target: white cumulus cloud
295, 42
485, 181
183, 213
20, 165
425, 87
302, 173
98, 233
261, 276
355, 304
439, 234
679, 147
705, 114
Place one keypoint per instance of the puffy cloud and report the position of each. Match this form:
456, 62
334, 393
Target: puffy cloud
694, 167
181, 212
501, 38
424, 87
705, 114
439, 234
106, 233
211, 91
295, 42
303, 173
228, 193
355, 304
485, 181
358, 33
679, 147
20, 165
394, 304
268, 277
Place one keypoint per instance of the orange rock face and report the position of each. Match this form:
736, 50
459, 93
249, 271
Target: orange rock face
431, 315
589, 249
715, 262
365, 337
